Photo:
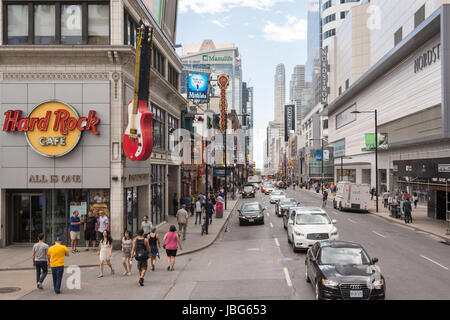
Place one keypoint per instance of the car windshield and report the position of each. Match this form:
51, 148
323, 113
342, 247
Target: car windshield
278, 193
312, 219
287, 202
248, 189
269, 186
343, 256
250, 207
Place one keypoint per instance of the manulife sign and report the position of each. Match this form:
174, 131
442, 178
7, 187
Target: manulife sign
208, 58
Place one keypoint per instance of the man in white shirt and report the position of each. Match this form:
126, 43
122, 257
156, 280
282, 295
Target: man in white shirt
103, 224
198, 211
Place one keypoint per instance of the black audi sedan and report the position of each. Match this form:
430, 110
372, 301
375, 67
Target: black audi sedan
251, 213
343, 271
248, 192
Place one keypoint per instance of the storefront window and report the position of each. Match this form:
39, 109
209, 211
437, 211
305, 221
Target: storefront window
17, 24
44, 24
159, 118
71, 24
158, 193
98, 22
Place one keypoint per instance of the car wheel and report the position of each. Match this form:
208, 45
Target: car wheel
293, 245
284, 226
306, 274
289, 239
240, 223
317, 291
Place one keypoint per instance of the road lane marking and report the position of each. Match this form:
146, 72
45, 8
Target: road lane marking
431, 260
276, 242
268, 215
352, 221
288, 279
254, 249
271, 225
379, 234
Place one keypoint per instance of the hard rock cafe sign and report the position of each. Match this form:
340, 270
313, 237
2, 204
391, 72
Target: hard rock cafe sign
223, 81
53, 128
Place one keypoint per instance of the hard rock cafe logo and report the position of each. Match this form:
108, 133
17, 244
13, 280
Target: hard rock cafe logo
53, 128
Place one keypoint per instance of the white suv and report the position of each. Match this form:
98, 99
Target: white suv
309, 225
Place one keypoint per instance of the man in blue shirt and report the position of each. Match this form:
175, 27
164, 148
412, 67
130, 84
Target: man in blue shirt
75, 224
209, 210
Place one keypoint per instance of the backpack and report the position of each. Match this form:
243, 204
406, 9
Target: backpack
141, 253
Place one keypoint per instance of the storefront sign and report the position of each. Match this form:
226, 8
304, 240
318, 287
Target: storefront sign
53, 128
134, 177
444, 168
339, 148
324, 77
289, 121
223, 81
207, 58
198, 86
54, 179
428, 58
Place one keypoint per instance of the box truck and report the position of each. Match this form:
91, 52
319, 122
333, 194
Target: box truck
352, 197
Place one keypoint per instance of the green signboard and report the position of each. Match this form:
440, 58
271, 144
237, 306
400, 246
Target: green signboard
370, 141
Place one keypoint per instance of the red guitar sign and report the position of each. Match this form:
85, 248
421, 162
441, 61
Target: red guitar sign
138, 136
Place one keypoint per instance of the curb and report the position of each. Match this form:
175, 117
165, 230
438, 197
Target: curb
215, 238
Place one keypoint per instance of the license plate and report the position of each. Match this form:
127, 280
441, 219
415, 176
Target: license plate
356, 294
251, 220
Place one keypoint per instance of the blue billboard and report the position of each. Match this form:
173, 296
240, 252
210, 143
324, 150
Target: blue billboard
197, 86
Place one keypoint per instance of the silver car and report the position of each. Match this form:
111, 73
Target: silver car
276, 196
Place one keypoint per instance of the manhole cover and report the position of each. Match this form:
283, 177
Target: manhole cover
9, 290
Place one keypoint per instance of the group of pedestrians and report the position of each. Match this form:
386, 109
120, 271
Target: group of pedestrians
401, 200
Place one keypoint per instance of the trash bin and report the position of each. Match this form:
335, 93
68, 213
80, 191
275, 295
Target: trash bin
219, 210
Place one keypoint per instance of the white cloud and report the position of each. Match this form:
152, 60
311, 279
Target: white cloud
218, 6
313, 5
224, 22
251, 36
292, 30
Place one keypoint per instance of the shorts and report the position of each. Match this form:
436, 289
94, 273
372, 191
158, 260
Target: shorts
171, 253
75, 235
142, 265
126, 253
99, 235
90, 235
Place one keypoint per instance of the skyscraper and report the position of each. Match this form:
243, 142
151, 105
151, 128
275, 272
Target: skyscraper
280, 93
313, 40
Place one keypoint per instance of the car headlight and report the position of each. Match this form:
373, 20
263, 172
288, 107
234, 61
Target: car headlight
329, 283
299, 234
334, 232
242, 217
378, 283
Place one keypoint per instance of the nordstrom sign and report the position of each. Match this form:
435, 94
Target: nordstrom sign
428, 58
207, 58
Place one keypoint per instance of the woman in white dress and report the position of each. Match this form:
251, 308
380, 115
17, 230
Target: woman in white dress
105, 252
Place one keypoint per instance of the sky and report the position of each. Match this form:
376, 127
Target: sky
266, 32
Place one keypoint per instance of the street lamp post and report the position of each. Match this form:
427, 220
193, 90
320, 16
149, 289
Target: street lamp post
376, 151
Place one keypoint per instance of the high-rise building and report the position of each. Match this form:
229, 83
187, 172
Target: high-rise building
247, 108
280, 92
313, 37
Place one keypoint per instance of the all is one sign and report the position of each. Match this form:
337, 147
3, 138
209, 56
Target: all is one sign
53, 128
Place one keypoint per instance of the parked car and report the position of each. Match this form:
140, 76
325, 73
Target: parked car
251, 213
306, 226
248, 192
276, 196
343, 271
256, 185
284, 205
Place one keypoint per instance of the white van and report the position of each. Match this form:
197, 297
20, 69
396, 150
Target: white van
352, 196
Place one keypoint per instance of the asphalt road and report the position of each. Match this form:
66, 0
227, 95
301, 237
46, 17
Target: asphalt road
256, 262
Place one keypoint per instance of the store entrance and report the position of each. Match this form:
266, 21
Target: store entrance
27, 217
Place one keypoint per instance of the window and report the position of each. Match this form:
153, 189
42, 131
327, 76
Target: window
98, 24
173, 76
71, 24
44, 24
419, 16
398, 36
17, 24
158, 61
159, 120
331, 17
173, 125
130, 30
329, 34
57, 23
325, 124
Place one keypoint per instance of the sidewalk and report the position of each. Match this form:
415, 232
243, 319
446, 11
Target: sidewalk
421, 221
18, 257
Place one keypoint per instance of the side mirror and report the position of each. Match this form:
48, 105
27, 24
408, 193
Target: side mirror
239, 211
333, 221
374, 260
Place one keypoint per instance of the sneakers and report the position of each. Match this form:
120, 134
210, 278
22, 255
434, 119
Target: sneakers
39, 286
141, 282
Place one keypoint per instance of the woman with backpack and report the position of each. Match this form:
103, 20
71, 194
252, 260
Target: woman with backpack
105, 252
140, 251
171, 242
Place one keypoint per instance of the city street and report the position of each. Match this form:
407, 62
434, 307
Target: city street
256, 262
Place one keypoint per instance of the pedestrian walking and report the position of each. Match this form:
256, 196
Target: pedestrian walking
198, 212
39, 257
175, 204
56, 255
192, 207
182, 219
147, 226
155, 245
324, 199
102, 225
407, 211
140, 251
75, 224
209, 211
127, 244
372, 193
171, 242
105, 252
415, 200
89, 230
386, 196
